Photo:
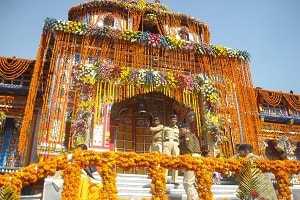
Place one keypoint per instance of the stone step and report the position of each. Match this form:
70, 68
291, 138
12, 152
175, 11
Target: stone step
32, 197
137, 187
173, 197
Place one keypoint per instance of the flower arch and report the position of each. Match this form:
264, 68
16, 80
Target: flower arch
103, 83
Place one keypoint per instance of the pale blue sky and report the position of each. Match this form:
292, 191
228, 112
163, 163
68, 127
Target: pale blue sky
268, 29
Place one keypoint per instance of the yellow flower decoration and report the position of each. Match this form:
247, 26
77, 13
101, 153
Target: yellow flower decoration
125, 74
172, 82
87, 105
89, 80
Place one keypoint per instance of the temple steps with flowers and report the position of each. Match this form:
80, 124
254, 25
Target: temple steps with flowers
137, 187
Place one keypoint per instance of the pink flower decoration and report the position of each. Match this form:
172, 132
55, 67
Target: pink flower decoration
154, 40
185, 81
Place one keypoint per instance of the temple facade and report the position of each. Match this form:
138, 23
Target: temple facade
100, 77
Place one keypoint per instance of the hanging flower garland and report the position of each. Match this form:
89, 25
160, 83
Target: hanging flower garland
151, 39
87, 77
71, 175
105, 71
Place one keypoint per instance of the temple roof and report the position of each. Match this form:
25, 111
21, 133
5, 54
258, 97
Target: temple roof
131, 6
276, 98
278, 107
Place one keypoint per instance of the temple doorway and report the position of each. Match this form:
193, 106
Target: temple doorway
130, 120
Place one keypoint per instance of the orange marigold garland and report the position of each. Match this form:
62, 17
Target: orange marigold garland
154, 162
204, 183
283, 182
108, 175
158, 184
282, 171
13, 68
11, 182
71, 189
33, 88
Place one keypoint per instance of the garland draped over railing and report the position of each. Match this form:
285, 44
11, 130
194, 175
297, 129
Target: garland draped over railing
13, 68
276, 98
153, 162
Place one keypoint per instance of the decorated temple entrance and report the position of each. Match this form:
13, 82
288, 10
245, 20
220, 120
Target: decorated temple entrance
131, 119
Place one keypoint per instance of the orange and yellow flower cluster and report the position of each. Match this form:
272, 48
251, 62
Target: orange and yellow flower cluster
155, 163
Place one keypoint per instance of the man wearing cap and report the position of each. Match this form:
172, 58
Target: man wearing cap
189, 144
157, 130
171, 143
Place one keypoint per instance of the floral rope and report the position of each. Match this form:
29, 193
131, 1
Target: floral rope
158, 184
204, 183
71, 189
109, 175
136, 6
104, 71
276, 98
105, 162
13, 68
151, 39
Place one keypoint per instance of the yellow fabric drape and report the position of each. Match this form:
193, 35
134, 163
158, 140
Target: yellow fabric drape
89, 190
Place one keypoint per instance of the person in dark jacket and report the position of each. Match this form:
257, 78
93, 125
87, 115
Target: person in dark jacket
189, 144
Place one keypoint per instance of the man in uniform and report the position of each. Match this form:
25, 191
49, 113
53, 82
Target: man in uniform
189, 144
157, 132
171, 143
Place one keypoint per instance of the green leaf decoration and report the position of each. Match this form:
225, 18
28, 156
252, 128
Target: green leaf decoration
254, 185
7, 193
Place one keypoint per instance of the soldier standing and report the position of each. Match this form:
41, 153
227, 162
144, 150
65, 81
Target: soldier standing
157, 130
171, 143
189, 144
